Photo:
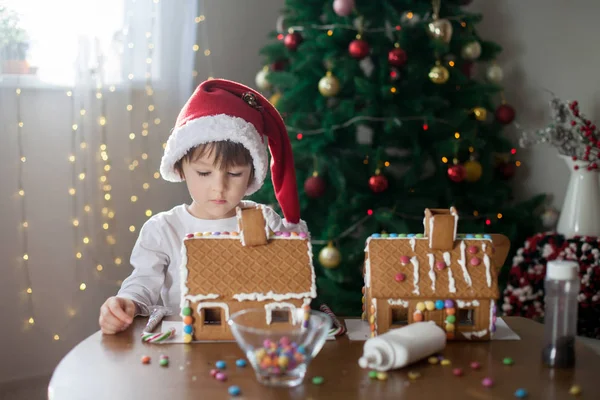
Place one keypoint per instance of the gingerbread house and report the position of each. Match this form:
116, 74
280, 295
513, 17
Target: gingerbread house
437, 275
225, 272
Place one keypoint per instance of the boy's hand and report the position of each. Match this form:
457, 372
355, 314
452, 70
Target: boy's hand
116, 314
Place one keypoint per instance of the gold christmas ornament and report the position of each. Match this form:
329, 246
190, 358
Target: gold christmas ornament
471, 51
439, 74
494, 73
329, 85
440, 29
261, 79
330, 256
473, 170
480, 113
275, 99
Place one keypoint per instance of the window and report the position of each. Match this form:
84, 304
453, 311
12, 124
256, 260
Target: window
212, 316
280, 316
399, 316
465, 317
63, 42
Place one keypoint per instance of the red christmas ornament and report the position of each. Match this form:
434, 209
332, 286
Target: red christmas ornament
279, 65
359, 49
505, 114
292, 40
457, 173
314, 187
506, 170
378, 183
397, 57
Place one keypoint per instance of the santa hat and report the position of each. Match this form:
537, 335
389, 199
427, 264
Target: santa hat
220, 110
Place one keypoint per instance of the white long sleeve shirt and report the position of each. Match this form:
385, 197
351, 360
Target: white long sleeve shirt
156, 256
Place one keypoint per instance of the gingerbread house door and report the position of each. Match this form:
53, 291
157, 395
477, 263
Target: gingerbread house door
436, 316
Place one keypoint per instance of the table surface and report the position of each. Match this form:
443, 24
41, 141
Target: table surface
109, 367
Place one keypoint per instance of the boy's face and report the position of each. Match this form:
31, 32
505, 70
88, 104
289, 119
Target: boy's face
215, 192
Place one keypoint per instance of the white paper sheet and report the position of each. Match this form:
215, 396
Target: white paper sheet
359, 330
178, 338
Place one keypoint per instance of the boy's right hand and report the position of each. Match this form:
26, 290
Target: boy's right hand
116, 314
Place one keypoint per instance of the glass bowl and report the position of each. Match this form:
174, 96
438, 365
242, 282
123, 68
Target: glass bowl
280, 349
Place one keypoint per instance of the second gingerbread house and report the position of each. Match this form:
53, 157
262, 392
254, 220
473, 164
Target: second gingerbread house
437, 275
225, 272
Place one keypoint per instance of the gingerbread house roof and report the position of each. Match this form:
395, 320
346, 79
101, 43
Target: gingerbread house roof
407, 267
219, 266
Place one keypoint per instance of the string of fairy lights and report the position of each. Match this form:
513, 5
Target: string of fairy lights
87, 251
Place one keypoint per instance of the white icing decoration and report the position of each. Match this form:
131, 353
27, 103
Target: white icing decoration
368, 272
463, 264
483, 247
431, 231
413, 242
415, 264
455, 213
463, 303
431, 271
492, 302
468, 335
398, 302
272, 306
183, 275
209, 304
374, 303
451, 281
488, 273
264, 213
238, 214
200, 297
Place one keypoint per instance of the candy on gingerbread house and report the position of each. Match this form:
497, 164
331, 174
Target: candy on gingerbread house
437, 275
225, 272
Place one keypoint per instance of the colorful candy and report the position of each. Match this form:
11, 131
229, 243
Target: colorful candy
404, 260
220, 364
433, 360
475, 261
145, 359
445, 362
382, 376
575, 390
507, 361
487, 382
457, 372
234, 390
317, 380
164, 361
521, 393
277, 358
306, 317
241, 362
400, 277
475, 365
373, 374
213, 372
412, 375
220, 376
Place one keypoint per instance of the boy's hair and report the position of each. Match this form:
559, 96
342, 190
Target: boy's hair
227, 154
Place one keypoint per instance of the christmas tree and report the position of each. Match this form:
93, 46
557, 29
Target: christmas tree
387, 116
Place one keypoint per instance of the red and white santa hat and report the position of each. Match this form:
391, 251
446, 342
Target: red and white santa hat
221, 110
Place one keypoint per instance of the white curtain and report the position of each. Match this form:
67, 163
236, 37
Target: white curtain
81, 135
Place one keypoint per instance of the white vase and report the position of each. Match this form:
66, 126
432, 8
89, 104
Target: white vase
580, 214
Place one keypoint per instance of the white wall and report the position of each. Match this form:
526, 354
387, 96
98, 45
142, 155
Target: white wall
567, 64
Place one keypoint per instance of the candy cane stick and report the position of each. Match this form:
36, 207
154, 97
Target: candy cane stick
340, 328
158, 337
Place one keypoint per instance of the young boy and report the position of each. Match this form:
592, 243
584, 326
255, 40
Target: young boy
218, 148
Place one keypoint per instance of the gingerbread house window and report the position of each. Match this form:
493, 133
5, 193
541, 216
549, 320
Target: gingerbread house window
278, 316
399, 315
466, 317
212, 316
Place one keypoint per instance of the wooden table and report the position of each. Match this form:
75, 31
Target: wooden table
109, 367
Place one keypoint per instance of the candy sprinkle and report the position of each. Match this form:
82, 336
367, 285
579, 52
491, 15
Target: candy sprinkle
234, 390
241, 362
146, 360
475, 365
487, 382
382, 376
373, 374
521, 393
317, 380
508, 361
414, 375
575, 390
433, 360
